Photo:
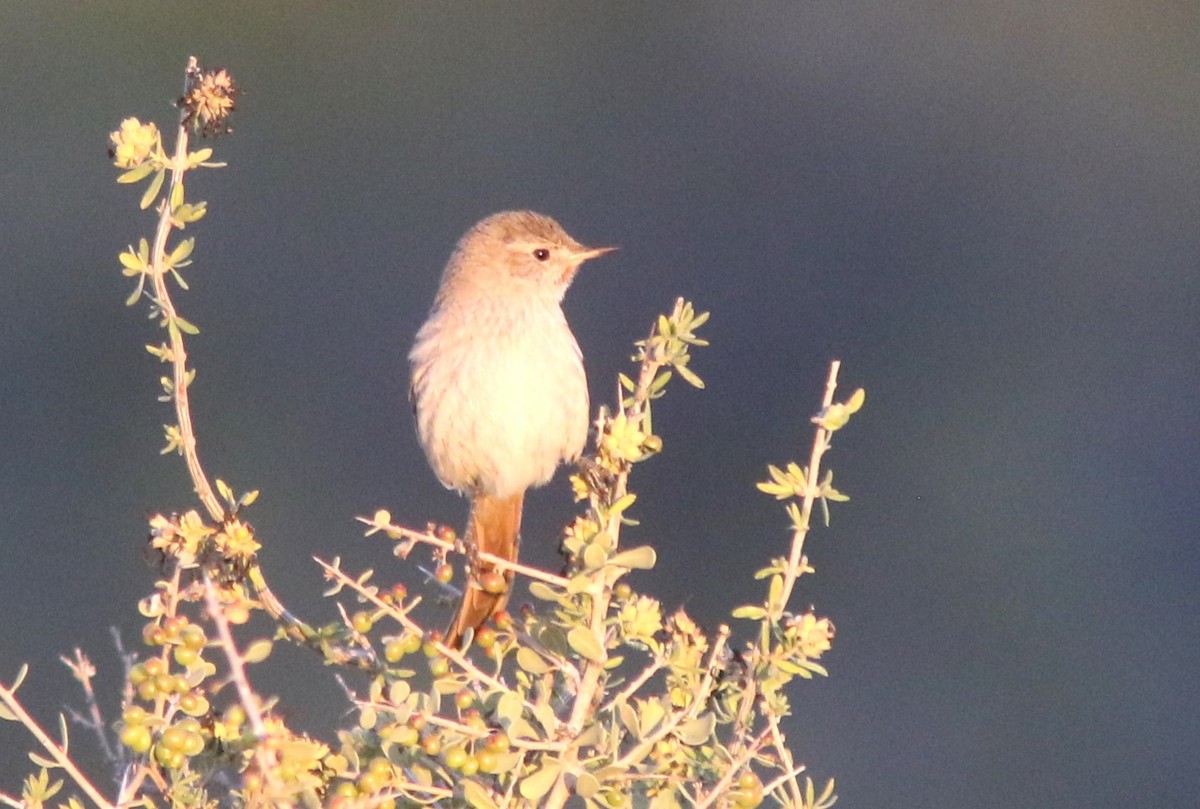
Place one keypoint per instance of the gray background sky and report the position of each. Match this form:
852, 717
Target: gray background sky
989, 211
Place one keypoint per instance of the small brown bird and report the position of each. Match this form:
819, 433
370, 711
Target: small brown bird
498, 385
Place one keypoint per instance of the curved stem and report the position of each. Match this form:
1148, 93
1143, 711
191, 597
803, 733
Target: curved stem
158, 276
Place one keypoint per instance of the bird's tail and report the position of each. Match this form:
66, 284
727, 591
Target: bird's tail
494, 526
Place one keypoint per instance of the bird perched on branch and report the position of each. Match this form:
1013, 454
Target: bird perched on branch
498, 386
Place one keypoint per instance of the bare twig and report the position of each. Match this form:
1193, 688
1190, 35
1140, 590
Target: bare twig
428, 538
57, 752
83, 671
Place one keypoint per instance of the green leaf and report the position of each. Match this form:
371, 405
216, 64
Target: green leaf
689, 376
199, 156
508, 708
579, 583
750, 612
176, 195
775, 593
696, 732
536, 785
21, 672
132, 261
133, 175
181, 252
531, 661
543, 592
258, 651
594, 556
585, 644
185, 326
650, 713
629, 718
477, 796
152, 190
623, 503
641, 558
42, 761
6, 714
586, 785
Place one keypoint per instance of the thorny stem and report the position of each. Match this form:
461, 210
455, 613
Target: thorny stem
820, 445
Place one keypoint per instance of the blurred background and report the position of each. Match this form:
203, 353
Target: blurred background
988, 211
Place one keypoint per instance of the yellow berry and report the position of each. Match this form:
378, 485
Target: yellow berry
185, 656
193, 703
454, 757
136, 737
394, 651
193, 637
134, 715
432, 745
362, 622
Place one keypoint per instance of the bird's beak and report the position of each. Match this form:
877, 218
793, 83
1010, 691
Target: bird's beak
592, 252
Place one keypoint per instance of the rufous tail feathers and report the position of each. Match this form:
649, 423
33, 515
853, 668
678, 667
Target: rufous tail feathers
494, 526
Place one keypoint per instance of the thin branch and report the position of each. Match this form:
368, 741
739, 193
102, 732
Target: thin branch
454, 655
158, 276
237, 665
58, 753
735, 768
426, 537
83, 671
656, 665
785, 757
676, 718
586, 696
820, 445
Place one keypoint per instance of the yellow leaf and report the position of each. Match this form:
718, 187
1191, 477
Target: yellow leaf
584, 642
536, 785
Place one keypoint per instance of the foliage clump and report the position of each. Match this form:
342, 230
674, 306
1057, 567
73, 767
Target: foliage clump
600, 694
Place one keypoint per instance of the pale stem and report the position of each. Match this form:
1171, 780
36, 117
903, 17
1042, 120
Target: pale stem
457, 547
158, 277
586, 695
50, 746
820, 445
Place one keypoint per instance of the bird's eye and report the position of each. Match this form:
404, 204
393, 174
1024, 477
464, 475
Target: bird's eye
541, 254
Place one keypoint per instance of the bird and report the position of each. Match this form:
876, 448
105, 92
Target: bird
498, 386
